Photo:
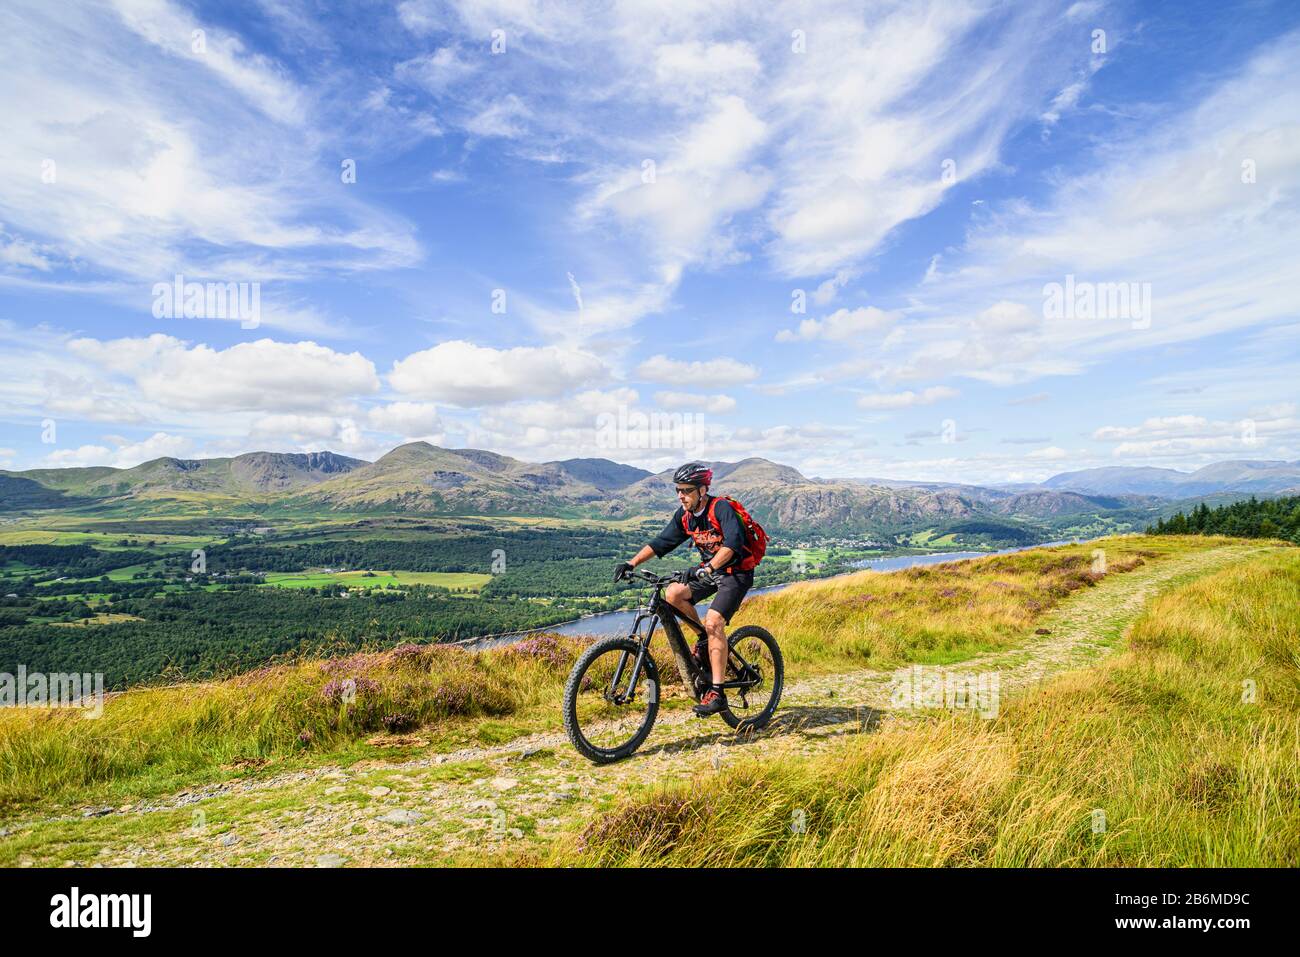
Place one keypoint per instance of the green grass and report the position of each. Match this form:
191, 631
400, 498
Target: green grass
106, 618
940, 613
929, 538
1183, 750
378, 579
108, 541
154, 740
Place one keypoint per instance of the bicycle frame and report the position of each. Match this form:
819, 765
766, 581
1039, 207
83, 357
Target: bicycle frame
660, 611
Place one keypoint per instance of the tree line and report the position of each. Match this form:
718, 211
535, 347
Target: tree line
203, 634
1252, 518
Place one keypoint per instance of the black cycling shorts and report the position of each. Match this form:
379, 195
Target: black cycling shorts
731, 590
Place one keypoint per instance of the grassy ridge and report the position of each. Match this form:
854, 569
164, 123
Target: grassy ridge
1189, 763
152, 740
940, 613
155, 739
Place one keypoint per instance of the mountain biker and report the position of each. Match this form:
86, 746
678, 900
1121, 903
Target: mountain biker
722, 546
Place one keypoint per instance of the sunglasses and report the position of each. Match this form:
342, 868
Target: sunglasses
685, 491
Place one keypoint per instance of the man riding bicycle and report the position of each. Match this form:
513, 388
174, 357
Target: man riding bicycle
718, 530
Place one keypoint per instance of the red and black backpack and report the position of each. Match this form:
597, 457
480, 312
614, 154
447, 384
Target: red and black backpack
755, 537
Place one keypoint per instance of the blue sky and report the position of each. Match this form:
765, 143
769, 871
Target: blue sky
646, 191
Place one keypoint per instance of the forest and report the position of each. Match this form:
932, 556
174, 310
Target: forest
1251, 518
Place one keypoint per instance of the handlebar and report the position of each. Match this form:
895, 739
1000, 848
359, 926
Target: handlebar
657, 580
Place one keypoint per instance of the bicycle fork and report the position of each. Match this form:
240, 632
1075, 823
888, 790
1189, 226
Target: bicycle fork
612, 694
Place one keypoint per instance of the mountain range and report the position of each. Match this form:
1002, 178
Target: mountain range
423, 478
1242, 475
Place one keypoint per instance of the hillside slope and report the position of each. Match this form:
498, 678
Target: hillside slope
254, 474
504, 781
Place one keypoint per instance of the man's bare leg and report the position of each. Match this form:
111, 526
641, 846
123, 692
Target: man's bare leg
679, 596
716, 628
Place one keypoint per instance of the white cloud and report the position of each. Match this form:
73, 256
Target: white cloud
1190, 436
437, 71
257, 78
701, 70
126, 456
1051, 453
908, 399
246, 376
691, 401
577, 291
842, 325
20, 252
505, 118
1008, 318
602, 307
296, 428
1159, 425
406, 418
695, 187
145, 157
578, 411
465, 374
828, 290
710, 372
1155, 211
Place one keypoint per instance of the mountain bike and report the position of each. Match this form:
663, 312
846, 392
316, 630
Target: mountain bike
612, 695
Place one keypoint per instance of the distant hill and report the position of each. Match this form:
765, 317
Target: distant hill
601, 473
1042, 502
420, 478
255, 473
1261, 476
19, 493
781, 497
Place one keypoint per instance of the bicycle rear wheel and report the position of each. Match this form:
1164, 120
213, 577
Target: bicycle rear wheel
753, 656
606, 716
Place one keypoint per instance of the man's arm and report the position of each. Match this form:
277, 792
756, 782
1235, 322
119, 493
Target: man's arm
663, 543
721, 558
644, 555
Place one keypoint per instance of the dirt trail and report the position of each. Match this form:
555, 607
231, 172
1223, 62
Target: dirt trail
481, 800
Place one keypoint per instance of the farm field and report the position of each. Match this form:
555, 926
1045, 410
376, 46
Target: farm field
462, 581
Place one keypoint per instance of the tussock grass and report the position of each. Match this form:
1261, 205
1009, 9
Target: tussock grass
1164, 740
153, 738
940, 613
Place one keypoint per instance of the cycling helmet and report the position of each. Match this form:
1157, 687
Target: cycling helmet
693, 473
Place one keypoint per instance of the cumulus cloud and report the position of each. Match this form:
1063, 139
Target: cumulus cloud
465, 374
246, 376
126, 455
578, 411
405, 418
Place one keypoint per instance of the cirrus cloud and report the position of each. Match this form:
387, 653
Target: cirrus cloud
907, 399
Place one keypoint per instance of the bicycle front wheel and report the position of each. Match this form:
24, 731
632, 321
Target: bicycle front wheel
609, 710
